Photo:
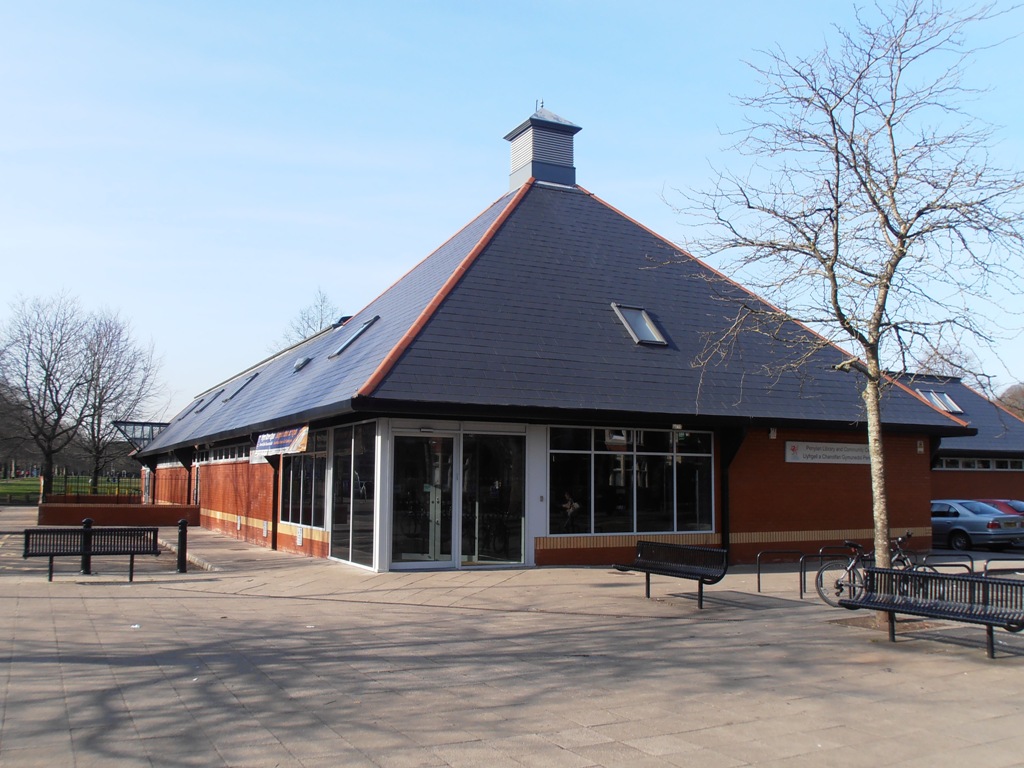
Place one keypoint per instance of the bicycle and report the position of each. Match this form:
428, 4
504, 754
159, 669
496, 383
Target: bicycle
837, 580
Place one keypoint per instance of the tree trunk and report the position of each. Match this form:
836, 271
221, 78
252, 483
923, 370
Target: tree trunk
46, 473
872, 402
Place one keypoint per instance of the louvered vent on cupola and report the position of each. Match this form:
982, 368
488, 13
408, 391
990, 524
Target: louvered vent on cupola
542, 149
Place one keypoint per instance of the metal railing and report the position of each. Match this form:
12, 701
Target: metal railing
106, 485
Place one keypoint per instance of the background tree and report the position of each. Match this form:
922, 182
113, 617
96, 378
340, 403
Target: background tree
872, 211
1013, 398
946, 360
12, 437
311, 319
122, 382
45, 370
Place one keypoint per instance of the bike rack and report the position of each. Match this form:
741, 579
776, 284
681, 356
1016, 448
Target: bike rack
828, 552
1004, 560
950, 561
774, 552
842, 552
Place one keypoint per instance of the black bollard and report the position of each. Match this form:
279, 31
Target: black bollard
183, 546
87, 546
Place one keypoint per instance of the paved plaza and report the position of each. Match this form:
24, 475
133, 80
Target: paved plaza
270, 659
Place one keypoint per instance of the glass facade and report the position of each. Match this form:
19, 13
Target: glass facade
629, 481
352, 496
305, 477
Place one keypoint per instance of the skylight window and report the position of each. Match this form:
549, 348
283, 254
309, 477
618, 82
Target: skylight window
191, 408
358, 332
940, 400
244, 385
209, 401
639, 324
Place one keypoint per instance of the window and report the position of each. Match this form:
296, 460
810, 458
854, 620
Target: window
191, 408
629, 481
355, 464
245, 383
984, 464
639, 324
940, 400
358, 332
224, 453
305, 475
210, 401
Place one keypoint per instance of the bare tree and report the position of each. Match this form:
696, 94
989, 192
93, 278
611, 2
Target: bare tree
1013, 399
311, 319
12, 436
944, 360
122, 382
872, 210
45, 372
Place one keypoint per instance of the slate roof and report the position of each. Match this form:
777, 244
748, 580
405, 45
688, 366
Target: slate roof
1000, 433
512, 318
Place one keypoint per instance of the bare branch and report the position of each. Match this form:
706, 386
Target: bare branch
873, 209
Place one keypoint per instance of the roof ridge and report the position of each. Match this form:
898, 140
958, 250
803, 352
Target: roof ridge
385, 366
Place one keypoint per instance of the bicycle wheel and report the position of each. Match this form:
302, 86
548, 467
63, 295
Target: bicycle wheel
835, 583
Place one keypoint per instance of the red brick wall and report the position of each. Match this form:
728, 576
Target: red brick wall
236, 499
166, 515
974, 484
780, 505
170, 485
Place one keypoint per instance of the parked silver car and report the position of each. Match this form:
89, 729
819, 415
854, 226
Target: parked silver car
963, 524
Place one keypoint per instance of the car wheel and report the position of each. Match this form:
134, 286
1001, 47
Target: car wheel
959, 540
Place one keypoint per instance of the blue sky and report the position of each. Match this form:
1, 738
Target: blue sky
205, 167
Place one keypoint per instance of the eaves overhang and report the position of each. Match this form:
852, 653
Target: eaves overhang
383, 407
335, 410
981, 453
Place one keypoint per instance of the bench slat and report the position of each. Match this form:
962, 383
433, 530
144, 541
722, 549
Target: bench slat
86, 542
705, 565
972, 599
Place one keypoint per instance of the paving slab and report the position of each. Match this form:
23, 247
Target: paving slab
260, 658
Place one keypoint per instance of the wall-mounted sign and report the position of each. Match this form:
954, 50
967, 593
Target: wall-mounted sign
275, 443
798, 452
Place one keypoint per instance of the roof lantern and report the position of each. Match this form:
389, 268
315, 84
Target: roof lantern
542, 149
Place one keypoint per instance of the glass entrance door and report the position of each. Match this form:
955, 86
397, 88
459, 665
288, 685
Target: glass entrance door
458, 500
423, 499
492, 499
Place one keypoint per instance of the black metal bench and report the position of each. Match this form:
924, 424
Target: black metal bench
86, 542
705, 565
985, 600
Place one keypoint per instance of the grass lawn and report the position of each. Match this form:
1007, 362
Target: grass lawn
20, 485
71, 485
